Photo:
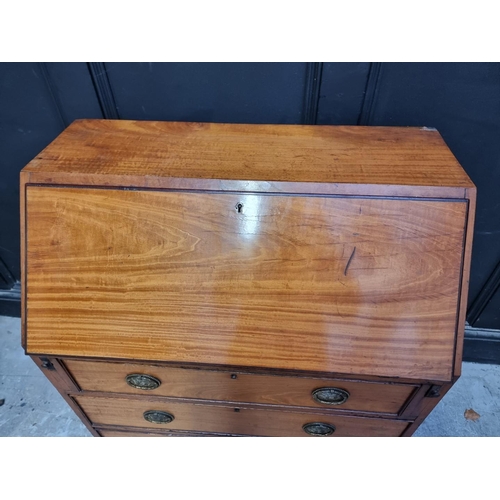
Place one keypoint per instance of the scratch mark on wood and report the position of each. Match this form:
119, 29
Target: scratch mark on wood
349, 261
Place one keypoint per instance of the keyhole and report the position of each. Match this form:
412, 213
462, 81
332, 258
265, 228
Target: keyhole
239, 207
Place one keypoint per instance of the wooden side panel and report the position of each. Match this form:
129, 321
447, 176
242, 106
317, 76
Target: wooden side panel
427, 404
55, 372
23, 214
471, 194
207, 418
240, 387
60, 379
345, 285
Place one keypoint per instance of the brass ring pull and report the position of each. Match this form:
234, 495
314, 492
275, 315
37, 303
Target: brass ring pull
142, 381
318, 429
158, 417
330, 396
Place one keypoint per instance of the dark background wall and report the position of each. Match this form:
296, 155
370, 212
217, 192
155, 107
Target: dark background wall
462, 100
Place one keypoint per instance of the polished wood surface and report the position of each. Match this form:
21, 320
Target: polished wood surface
211, 418
346, 285
245, 266
466, 266
131, 432
265, 153
238, 387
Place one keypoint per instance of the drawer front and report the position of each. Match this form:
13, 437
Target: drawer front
359, 286
239, 387
228, 420
146, 433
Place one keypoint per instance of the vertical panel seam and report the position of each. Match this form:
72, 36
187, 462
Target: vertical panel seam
103, 90
53, 94
314, 74
484, 297
370, 94
5, 275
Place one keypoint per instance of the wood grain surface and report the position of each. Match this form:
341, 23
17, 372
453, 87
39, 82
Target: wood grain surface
212, 418
466, 266
146, 153
131, 432
239, 387
347, 285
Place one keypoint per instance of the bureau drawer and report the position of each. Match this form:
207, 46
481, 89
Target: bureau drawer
145, 433
239, 387
226, 419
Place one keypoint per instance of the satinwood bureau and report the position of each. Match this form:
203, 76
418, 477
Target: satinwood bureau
196, 279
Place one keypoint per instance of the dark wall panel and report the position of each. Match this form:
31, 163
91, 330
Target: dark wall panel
37, 101
74, 90
485, 311
218, 92
28, 122
463, 102
490, 316
342, 93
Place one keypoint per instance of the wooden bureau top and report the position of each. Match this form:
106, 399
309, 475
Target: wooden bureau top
194, 155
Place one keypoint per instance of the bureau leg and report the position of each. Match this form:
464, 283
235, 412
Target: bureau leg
428, 403
54, 370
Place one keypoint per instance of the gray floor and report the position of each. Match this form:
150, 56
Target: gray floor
32, 407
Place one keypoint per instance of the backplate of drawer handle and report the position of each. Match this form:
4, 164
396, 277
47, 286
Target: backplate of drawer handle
318, 429
143, 381
330, 395
158, 417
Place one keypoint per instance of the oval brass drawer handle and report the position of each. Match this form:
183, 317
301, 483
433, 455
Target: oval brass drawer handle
318, 429
158, 417
142, 381
330, 395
